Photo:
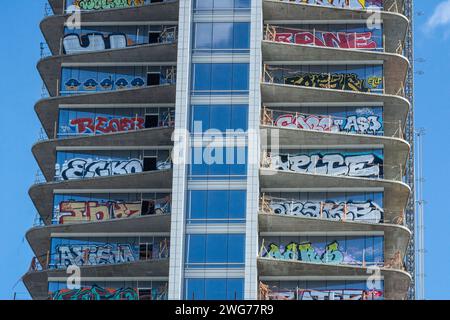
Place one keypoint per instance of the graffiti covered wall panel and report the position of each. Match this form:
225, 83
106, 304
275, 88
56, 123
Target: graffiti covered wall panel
74, 122
94, 79
364, 78
350, 4
349, 206
105, 251
105, 37
327, 250
73, 208
368, 211
93, 164
325, 290
110, 290
368, 164
351, 36
89, 5
368, 120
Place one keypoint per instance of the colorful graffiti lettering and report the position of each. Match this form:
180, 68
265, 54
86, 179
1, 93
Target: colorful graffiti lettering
93, 211
361, 165
344, 81
342, 40
88, 168
84, 255
353, 4
364, 124
106, 4
367, 211
95, 293
103, 125
306, 253
346, 294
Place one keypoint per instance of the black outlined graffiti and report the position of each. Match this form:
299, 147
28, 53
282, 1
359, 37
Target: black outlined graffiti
362, 165
89, 168
82, 255
368, 211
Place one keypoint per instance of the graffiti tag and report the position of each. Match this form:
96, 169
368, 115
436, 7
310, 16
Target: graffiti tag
306, 253
107, 4
82, 255
354, 4
344, 81
365, 165
367, 211
354, 123
92, 211
88, 168
347, 294
103, 125
95, 293
342, 40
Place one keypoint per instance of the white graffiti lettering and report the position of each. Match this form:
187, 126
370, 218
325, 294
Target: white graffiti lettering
88, 168
356, 124
352, 211
81, 255
73, 43
365, 165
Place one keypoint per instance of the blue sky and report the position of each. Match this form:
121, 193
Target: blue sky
19, 129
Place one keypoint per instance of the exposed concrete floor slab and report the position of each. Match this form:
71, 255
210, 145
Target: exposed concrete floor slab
50, 67
52, 27
396, 282
47, 109
42, 194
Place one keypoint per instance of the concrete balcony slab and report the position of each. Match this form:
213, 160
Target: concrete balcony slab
52, 27
45, 151
164, 54
42, 194
396, 282
47, 109
37, 282
396, 150
395, 198
395, 25
40, 238
395, 66
395, 108
396, 237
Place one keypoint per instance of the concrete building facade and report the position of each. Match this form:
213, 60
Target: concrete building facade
223, 149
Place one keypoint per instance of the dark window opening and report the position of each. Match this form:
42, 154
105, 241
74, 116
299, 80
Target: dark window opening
153, 79
148, 207
151, 120
145, 294
150, 164
153, 36
145, 251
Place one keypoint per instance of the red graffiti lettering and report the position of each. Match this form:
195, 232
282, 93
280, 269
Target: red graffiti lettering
342, 40
104, 125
